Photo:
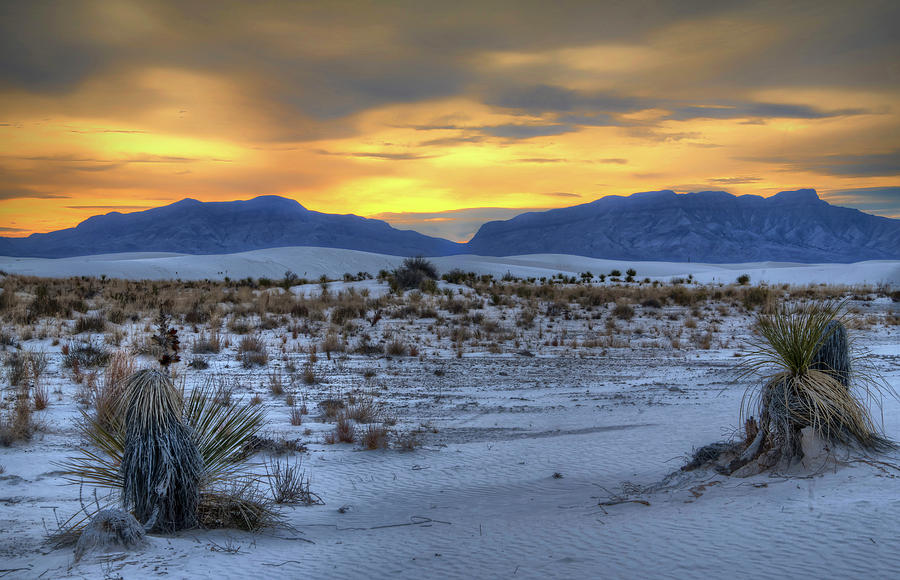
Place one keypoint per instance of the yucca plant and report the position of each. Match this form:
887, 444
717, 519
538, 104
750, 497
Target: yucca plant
219, 431
809, 379
161, 465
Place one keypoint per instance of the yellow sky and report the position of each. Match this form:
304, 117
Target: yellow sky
381, 119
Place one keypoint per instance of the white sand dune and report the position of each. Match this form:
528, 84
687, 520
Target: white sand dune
479, 499
311, 263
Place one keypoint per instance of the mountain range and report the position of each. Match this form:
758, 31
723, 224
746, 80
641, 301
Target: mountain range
709, 226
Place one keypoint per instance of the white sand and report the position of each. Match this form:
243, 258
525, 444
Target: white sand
479, 500
311, 263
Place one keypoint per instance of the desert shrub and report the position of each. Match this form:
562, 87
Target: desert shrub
252, 352
364, 409
395, 347
40, 395
106, 397
344, 430
17, 368
44, 305
220, 432
17, 424
757, 297
331, 344
346, 312
208, 343
289, 484
295, 416
331, 407
90, 324
238, 504
408, 441
375, 437
743, 279
623, 311
85, 355
276, 383
413, 272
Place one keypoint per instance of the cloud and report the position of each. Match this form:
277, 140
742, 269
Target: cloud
514, 131
459, 225
112, 207
883, 201
11, 230
21, 192
562, 194
752, 110
735, 180
383, 155
849, 165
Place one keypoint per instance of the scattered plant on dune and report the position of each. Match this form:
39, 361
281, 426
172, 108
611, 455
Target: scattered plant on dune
413, 273
161, 465
290, 484
220, 431
802, 358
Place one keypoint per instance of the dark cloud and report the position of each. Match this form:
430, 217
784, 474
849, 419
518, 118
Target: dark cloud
450, 141
562, 194
11, 230
112, 207
328, 61
865, 165
24, 192
540, 160
513, 131
756, 110
883, 201
735, 180
386, 156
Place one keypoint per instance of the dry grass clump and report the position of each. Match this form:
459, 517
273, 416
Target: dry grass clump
17, 424
396, 347
90, 324
276, 383
84, 355
106, 396
240, 505
252, 352
344, 431
363, 409
375, 437
331, 344
208, 343
289, 484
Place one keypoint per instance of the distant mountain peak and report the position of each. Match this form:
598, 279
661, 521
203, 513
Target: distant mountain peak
705, 226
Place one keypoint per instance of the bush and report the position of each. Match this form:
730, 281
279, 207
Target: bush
289, 484
85, 355
743, 279
90, 324
413, 272
623, 311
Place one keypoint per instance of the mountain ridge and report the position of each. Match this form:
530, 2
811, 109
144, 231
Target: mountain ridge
706, 226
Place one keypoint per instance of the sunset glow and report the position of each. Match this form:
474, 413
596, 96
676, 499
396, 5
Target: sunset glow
440, 116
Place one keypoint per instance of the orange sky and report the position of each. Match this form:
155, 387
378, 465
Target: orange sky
438, 117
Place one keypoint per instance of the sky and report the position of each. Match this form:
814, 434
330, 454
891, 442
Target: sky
439, 116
